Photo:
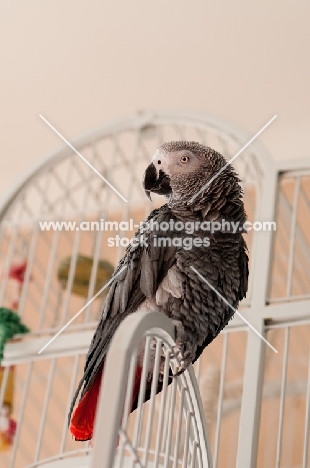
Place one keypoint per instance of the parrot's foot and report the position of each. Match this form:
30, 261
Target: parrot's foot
185, 349
153, 347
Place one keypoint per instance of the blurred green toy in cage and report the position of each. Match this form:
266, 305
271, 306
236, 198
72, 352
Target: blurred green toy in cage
10, 325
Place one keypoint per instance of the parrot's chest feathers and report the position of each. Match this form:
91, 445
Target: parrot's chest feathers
171, 285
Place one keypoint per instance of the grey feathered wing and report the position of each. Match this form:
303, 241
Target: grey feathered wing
145, 268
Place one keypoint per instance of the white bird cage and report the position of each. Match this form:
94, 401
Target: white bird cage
169, 430
256, 403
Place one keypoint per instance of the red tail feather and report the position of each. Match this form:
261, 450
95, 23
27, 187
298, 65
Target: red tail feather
82, 421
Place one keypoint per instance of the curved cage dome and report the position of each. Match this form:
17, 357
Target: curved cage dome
64, 188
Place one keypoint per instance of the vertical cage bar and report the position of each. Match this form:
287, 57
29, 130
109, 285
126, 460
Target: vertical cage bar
4, 382
292, 238
255, 352
71, 390
220, 401
194, 454
44, 409
152, 400
282, 396
21, 415
128, 401
162, 409
140, 408
7, 263
170, 423
179, 428
49, 277
187, 436
130, 385
198, 369
307, 422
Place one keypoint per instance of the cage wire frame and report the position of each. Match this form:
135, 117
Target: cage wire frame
124, 352
61, 187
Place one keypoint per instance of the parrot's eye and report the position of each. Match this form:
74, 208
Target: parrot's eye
184, 159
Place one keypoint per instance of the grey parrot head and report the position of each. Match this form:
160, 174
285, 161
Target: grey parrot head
181, 169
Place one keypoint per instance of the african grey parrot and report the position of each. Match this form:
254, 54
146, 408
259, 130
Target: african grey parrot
160, 278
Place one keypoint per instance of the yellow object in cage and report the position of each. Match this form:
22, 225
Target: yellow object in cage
83, 273
7, 424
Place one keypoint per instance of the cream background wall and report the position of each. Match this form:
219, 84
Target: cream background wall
80, 63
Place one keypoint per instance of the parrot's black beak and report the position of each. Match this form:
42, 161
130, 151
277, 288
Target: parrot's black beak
158, 184
149, 179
